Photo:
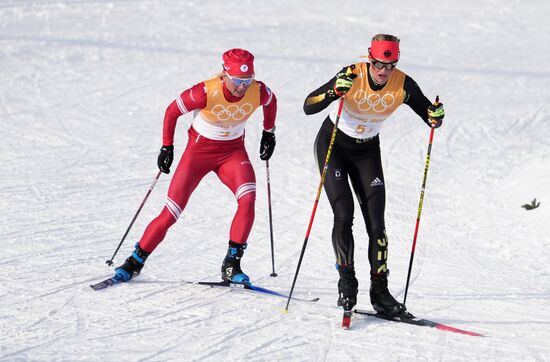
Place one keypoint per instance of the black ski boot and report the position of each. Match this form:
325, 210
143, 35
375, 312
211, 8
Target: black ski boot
133, 265
381, 299
231, 267
347, 287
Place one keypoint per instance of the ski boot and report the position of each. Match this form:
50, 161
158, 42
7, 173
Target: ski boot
381, 299
347, 287
133, 265
231, 266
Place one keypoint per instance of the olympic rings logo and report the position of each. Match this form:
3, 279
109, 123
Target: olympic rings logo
231, 112
373, 101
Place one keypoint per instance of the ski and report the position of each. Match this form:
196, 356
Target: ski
251, 287
107, 283
408, 318
116, 280
346, 319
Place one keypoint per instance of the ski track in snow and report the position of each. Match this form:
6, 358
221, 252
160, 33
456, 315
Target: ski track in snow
83, 89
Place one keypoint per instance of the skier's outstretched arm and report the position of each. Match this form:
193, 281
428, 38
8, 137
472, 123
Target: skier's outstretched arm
269, 103
189, 100
421, 105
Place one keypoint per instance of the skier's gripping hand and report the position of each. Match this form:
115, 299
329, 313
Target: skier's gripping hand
267, 145
343, 83
166, 156
436, 113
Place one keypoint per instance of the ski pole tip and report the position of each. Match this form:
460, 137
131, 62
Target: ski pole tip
274, 275
285, 311
109, 262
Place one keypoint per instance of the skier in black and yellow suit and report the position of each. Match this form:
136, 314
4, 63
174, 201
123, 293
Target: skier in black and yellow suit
373, 91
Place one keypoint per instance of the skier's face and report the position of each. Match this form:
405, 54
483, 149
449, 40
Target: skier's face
237, 86
381, 76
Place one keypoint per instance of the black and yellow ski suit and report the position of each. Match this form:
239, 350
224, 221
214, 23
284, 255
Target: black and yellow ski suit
356, 155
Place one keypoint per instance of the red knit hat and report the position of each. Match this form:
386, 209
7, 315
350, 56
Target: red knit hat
238, 63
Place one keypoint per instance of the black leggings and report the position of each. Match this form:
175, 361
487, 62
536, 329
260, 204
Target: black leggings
360, 161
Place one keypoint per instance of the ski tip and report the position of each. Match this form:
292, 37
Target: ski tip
346, 320
107, 283
346, 323
97, 287
457, 330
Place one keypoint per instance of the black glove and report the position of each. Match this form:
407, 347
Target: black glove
343, 83
166, 156
267, 145
436, 113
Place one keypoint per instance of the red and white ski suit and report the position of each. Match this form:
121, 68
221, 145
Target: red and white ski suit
216, 143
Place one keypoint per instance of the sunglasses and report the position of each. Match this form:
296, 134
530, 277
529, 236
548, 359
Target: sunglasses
238, 81
381, 65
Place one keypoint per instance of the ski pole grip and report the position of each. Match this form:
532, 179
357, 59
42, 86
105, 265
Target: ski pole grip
436, 103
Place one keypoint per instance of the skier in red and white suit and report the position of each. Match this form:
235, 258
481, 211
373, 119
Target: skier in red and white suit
221, 106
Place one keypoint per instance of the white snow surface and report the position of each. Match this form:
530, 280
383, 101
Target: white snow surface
83, 89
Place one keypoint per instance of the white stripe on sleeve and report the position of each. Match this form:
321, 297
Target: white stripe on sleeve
270, 95
181, 105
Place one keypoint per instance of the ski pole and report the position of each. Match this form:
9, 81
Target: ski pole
110, 261
319, 189
421, 202
270, 218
